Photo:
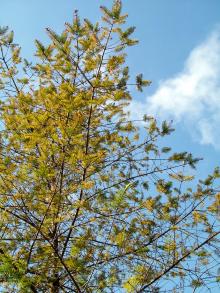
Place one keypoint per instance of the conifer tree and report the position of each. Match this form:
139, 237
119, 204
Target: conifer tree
87, 204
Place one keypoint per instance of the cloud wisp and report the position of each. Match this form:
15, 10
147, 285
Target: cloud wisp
192, 96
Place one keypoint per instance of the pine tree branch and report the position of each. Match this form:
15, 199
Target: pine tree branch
179, 261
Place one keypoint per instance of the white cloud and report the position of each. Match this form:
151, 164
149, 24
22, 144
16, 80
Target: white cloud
192, 96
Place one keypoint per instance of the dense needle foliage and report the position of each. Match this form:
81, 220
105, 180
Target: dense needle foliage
86, 203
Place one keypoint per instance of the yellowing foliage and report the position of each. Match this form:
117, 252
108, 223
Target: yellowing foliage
78, 178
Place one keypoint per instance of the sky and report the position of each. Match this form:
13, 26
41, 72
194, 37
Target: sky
179, 51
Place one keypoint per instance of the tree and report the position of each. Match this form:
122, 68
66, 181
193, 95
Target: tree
87, 203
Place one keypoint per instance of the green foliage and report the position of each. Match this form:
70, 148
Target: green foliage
141, 83
89, 201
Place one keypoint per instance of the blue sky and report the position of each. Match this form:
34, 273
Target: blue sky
179, 51
169, 32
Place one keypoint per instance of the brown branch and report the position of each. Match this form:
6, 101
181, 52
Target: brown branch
156, 170
87, 145
153, 238
179, 260
51, 244
12, 78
